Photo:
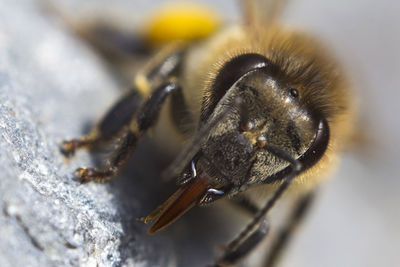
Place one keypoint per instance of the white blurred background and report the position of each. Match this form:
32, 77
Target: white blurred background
357, 220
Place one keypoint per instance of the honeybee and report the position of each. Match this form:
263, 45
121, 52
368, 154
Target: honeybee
262, 107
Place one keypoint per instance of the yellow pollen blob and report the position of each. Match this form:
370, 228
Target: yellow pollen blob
183, 21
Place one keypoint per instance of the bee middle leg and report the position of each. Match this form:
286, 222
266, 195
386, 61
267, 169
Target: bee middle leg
235, 254
114, 121
245, 204
279, 243
146, 118
297, 215
162, 67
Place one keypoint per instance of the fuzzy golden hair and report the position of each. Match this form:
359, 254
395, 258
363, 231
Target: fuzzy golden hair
301, 62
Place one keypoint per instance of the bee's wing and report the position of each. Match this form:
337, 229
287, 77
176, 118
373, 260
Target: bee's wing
262, 12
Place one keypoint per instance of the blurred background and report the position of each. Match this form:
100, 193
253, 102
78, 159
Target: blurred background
356, 219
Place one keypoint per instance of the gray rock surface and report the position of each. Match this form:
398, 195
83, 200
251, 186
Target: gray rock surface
50, 87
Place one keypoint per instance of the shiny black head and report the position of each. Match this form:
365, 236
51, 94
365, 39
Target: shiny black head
272, 111
256, 127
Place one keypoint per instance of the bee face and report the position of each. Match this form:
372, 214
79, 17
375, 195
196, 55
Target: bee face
272, 112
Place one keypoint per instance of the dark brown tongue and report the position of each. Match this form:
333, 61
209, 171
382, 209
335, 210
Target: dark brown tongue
181, 201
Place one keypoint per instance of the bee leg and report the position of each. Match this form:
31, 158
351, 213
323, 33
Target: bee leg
245, 204
165, 64
295, 218
146, 117
113, 122
109, 39
233, 255
249, 237
114, 43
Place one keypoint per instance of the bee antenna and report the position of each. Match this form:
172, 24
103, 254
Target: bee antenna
190, 151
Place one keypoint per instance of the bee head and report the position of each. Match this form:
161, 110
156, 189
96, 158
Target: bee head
251, 109
271, 113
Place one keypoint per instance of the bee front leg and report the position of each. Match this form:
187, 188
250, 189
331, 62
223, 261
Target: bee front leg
146, 118
257, 229
297, 215
159, 69
113, 122
245, 204
233, 254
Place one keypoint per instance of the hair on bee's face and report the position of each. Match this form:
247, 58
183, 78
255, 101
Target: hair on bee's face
270, 113
234, 152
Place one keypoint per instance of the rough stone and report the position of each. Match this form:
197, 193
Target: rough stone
51, 86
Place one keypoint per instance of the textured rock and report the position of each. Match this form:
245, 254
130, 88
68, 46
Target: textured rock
51, 86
